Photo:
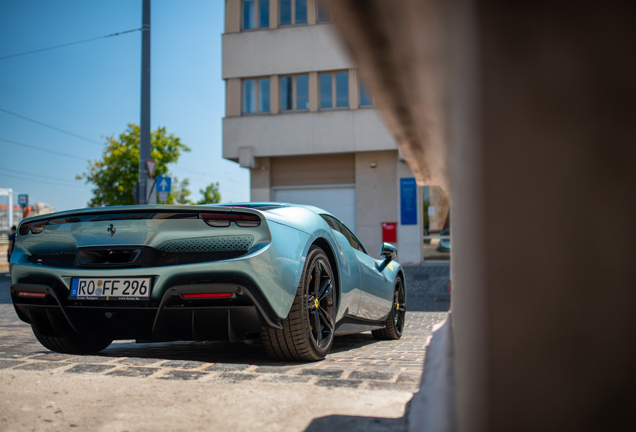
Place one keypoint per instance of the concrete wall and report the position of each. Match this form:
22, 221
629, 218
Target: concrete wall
283, 51
260, 180
376, 200
339, 131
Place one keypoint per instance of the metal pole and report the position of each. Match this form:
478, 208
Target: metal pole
144, 133
9, 194
10, 210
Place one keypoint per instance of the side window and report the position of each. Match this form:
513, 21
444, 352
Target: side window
336, 225
330, 222
355, 243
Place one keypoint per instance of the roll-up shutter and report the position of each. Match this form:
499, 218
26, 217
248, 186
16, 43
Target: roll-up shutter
340, 201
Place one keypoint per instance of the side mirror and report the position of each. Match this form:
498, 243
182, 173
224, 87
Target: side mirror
389, 253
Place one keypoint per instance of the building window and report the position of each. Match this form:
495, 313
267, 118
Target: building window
256, 95
365, 96
334, 90
323, 12
294, 92
293, 12
255, 14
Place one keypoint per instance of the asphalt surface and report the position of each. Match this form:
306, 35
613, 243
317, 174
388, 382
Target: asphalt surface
363, 384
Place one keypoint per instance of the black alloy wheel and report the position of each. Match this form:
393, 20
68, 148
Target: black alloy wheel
308, 330
320, 303
394, 323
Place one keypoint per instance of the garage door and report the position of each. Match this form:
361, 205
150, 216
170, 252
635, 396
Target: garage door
339, 201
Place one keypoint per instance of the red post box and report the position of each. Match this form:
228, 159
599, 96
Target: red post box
389, 232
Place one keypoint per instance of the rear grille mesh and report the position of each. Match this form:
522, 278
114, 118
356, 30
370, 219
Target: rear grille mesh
208, 244
52, 248
171, 252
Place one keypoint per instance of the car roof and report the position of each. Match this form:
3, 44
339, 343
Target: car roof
265, 205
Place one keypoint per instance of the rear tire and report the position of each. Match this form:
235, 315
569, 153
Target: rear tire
308, 330
394, 323
71, 344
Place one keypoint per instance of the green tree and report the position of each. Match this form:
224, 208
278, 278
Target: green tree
211, 194
115, 175
179, 192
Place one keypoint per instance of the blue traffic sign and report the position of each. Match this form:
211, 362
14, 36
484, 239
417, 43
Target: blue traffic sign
408, 201
23, 200
164, 184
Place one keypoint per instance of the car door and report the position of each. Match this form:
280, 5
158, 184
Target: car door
376, 291
349, 272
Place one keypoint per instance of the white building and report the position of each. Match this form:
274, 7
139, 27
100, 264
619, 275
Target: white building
298, 116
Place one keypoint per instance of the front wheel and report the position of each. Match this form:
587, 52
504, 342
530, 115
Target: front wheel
394, 323
308, 330
71, 344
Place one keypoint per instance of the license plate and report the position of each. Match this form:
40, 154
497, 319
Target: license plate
110, 289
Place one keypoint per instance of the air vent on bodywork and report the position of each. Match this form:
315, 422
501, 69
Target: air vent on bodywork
208, 244
108, 256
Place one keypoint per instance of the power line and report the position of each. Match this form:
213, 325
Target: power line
38, 175
86, 160
52, 127
37, 181
44, 150
208, 174
70, 43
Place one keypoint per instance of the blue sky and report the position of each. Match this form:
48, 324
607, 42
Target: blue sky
93, 90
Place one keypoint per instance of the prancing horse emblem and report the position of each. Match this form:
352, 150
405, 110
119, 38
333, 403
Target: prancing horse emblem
111, 229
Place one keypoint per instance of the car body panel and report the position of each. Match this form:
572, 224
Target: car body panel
377, 289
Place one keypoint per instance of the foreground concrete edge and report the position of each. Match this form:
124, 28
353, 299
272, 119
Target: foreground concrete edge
433, 407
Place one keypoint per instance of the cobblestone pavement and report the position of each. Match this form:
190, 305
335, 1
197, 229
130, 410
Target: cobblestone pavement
356, 361
427, 287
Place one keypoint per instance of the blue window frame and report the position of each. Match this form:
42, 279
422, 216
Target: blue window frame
255, 14
256, 95
293, 12
294, 92
334, 90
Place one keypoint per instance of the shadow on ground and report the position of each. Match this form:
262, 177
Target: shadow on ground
359, 423
221, 352
356, 424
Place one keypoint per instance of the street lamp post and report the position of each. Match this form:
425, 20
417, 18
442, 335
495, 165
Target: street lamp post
144, 129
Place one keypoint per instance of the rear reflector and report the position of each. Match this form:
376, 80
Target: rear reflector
31, 294
206, 295
224, 219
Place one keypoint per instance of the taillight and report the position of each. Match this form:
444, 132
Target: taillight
31, 294
207, 295
224, 219
36, 228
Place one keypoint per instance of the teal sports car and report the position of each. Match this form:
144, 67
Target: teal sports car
292, 275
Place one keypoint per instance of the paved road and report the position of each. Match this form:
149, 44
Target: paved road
363, 384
